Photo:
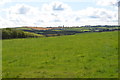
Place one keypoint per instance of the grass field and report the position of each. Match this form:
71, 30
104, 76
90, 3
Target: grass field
85, 55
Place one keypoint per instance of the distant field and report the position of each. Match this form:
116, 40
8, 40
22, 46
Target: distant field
59, 31
85, 55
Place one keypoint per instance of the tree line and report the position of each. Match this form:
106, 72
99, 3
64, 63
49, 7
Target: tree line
9, 33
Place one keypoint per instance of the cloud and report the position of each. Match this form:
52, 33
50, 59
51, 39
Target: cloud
97, 16
107, 2
2, 2
56, 6
48, 0
5, 23
22, 9
57, 14
22, 14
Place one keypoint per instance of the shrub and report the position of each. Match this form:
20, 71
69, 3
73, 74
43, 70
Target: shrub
9, 33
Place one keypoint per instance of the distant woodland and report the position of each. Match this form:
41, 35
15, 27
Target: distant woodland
9, 33
35, 32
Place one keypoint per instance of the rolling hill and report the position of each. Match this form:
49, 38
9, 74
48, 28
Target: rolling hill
87, 55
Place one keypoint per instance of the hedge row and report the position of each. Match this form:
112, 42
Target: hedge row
9, 33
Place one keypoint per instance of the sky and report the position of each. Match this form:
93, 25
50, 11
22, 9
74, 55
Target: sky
53, 13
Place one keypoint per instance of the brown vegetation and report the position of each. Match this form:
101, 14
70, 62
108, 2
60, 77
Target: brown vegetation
41, 28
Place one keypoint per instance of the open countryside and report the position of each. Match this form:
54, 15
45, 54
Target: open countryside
59, 39
82, 55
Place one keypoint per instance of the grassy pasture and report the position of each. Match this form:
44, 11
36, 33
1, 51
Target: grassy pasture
85, 55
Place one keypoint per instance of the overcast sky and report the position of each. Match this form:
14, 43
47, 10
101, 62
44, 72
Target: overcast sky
45, 13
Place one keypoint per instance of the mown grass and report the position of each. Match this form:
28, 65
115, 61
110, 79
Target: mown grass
85, 55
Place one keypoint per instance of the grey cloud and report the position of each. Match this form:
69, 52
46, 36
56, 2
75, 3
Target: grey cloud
57, 20
77, 19
58, 7
23, 10
95, 16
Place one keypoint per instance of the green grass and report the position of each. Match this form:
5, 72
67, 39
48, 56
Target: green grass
0, 58
33, 34
85, 55
23, 28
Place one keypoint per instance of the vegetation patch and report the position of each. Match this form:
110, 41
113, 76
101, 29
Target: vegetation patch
88, 55
9, 33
